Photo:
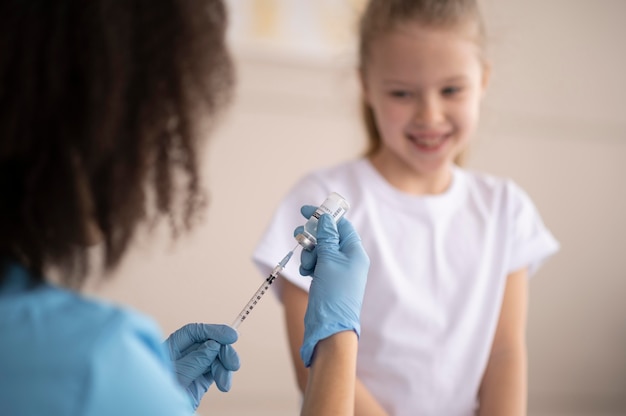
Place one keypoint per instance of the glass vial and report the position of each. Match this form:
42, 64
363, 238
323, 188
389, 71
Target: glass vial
335, 205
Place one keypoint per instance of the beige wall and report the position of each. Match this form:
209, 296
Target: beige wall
554, 120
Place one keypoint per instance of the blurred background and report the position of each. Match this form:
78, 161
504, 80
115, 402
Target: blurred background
554, 120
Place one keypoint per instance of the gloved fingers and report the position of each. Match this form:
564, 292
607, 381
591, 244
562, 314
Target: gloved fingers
229, 358
350, 242
305, 272
199, 387
298, 230
200, 332
307, 210
197, 362
223, 377
308, 259
347, 233
190, 334
327, 234
220, 372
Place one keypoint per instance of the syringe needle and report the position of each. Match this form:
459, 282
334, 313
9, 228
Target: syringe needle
281, 264
262, 289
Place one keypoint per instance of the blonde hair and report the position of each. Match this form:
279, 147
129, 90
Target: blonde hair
383, 16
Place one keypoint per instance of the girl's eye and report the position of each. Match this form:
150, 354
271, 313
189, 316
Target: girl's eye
399, 93
450, 91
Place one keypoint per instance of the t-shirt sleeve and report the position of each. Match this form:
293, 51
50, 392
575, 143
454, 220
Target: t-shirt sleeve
531, 242
131, 374
278, 237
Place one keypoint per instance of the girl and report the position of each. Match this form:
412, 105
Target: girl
444, 314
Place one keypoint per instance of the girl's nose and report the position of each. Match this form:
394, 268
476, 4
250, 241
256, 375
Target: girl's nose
428, 111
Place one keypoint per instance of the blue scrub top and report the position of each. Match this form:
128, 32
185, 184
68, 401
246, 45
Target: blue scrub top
65, 354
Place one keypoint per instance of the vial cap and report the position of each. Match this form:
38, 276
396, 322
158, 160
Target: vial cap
306, 242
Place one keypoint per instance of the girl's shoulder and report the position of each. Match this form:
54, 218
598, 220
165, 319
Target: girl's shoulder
491, 187
502, 198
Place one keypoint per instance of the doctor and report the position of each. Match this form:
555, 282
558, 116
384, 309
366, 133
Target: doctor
102, 108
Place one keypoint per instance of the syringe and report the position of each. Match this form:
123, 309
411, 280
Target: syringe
262, 289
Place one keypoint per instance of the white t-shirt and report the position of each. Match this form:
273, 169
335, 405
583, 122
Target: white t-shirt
438, 271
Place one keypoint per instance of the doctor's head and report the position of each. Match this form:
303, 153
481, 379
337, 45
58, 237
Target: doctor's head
104, 105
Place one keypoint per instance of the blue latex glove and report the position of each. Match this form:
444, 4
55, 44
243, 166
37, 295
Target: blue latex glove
338, 266
202, 354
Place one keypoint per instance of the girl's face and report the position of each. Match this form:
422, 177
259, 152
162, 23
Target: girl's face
424, 86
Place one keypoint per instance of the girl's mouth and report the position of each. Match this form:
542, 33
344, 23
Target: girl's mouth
428, 142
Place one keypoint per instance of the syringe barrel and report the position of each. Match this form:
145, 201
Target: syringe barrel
334, 205
254, 300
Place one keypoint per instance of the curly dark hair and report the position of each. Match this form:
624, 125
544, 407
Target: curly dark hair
100, 110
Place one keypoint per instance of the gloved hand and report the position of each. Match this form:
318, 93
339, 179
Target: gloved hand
339, 266
201, 354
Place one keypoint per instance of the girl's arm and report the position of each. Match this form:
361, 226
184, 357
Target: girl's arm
330, 390
503, 389
295, 301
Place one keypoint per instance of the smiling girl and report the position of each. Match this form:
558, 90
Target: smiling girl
444, 316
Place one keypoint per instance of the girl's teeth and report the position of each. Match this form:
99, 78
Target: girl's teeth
428, 142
